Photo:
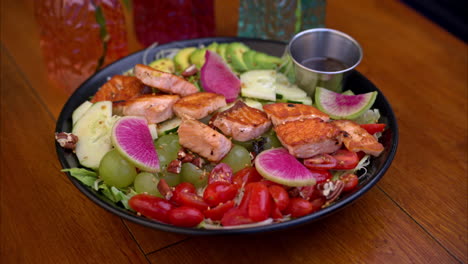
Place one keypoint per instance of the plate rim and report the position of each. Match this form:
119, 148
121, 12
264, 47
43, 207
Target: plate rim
197, 231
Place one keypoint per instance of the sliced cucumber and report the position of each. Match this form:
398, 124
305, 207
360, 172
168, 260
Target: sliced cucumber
94, 134
289, 92
169, 126
259, 84
253, 103
80, 110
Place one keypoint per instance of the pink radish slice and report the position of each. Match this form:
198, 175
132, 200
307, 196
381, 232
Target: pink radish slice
216, 77
132, 139
277, 165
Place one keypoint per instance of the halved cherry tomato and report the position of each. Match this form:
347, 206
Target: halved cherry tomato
321, 175
235, 216
185, 216
151, 206
246, 175
320, 162
192, 200
280, 197
222, 172
260, 202
346, 159
219, 192
310, 192
317, 203
218, 212
350, 182
183, 187
299, 207
373, 128
269, 183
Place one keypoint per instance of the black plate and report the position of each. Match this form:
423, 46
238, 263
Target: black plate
355, 81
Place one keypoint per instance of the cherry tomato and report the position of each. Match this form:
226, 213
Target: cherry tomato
299, 207
321, 175
246, 175
151, 206
310, 192
259, 207
346, 159
373, 128
183, 187
218, 212
320, 162
219, 192
275, 212
280, 197
164, 189
192, 200
269, 183
235, 216
350, 182
360, 154
185, 216
317, 203
222, 172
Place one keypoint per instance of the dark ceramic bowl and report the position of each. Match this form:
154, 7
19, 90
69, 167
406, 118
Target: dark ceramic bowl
355, 82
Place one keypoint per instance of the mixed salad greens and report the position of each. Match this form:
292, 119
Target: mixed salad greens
187, 189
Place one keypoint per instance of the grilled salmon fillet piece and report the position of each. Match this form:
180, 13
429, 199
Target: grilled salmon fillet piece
163, 81
155, 108
280, 113
309, 137
199, 105
203, 140
120, 88
357, 138
242, 122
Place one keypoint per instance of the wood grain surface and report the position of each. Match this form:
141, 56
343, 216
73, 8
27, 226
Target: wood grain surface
416, 214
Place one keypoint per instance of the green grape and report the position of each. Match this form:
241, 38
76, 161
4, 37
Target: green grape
193, 174
167, 147
238, 158
246, 144
172, 179
146, 182
116, 171
271, 140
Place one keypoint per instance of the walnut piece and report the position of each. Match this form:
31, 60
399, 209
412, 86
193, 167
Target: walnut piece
66, 140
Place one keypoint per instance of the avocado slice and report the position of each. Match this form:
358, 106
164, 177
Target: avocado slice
221, 50
234, 53
213, 47
198, 57
249, 61
164, 64
266, 62
181, 59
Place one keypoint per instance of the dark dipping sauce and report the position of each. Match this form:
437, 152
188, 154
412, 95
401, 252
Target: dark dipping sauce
324, 64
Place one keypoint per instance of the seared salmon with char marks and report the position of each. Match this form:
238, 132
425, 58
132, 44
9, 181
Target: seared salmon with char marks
155, 108
280, 113
203, 140
120, 88
309, 137
163, 81
199, 105
242, 122
357, 138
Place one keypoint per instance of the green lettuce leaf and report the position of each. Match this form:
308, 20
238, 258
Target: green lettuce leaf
85, 176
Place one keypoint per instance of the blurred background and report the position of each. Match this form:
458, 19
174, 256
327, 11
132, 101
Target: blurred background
79, 37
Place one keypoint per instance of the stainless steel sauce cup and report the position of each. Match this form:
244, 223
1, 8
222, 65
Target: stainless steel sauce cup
322, 57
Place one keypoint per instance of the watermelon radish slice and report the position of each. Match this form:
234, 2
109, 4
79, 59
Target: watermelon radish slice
132, 139
216, 77
343, 106
277, 165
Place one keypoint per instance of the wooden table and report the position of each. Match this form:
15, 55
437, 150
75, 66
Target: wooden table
416, 214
